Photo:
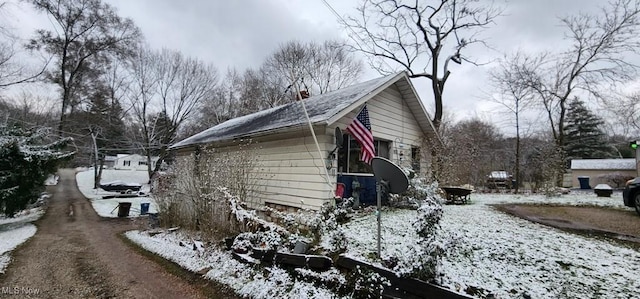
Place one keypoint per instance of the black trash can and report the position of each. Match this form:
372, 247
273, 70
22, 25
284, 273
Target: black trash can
123, 209
584, 182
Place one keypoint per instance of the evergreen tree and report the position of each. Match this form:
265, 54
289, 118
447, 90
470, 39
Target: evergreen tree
26, 159
583, 137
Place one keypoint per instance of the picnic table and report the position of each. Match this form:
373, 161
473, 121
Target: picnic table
457, 195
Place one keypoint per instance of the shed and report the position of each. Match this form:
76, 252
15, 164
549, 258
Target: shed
293, 171
601, 171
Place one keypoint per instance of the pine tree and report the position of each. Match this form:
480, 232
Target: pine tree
26, 159
583, 137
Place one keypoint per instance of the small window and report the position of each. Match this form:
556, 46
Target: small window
142, 163
126, 163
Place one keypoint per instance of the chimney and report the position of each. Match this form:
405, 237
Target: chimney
302, 95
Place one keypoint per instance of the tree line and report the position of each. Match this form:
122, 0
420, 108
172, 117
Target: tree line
118, 95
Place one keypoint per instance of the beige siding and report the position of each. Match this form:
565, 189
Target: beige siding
392, 120
289, 171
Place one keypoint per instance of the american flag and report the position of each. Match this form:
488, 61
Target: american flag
360, 129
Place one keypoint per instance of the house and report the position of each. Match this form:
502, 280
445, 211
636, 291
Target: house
297, 172
132, 162
601, 171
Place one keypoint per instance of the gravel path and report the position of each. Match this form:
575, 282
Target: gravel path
77, 254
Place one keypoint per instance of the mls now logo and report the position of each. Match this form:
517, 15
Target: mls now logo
19, 291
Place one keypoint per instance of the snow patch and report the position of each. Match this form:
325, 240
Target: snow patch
108, 207
10, 239
247, 281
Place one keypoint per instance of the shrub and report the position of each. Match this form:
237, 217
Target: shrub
616, 178
210, 191
27, 158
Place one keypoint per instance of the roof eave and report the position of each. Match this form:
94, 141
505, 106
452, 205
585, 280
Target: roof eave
263, 133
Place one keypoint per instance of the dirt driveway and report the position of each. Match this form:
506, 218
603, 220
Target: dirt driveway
615, 223
77, 254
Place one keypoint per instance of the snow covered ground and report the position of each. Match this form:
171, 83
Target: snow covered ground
108, 207
10, 239
220, 266
15, 231
495, 255
509, 257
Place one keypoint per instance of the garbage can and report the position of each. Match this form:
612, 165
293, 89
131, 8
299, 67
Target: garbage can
584, 182
144, 208
123, 209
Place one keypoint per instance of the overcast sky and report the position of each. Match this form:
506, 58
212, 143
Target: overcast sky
242, 33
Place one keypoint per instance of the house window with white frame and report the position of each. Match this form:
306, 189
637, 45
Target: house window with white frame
126, 163
349, 155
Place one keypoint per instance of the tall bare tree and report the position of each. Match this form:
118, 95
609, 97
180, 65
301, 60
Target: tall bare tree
318, 68
87, 33
514, 96
421, 37
167, 89
598, 57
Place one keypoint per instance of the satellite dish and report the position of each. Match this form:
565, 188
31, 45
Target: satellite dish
390, 174
389, 179
339, 138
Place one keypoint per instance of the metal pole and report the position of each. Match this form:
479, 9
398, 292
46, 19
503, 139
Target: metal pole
95, 164
638, 160
313, 133
378, 191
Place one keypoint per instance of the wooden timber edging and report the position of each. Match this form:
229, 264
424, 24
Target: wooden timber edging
407, 287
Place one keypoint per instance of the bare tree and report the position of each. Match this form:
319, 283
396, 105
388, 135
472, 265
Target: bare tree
11, 71
514, 96
421, 37
87, 33
225, 103
319, 68
167, 89
627, 110
596, 58
475, 146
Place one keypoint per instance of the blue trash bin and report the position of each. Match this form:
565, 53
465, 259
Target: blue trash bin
144, 208
584, 182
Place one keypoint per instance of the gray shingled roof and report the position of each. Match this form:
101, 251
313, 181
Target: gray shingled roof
320, 109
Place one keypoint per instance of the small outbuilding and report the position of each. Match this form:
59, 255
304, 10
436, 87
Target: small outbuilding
293, 171
613, 172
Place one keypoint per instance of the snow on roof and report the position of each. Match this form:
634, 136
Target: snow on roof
320, 109
499, 175
613, 164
